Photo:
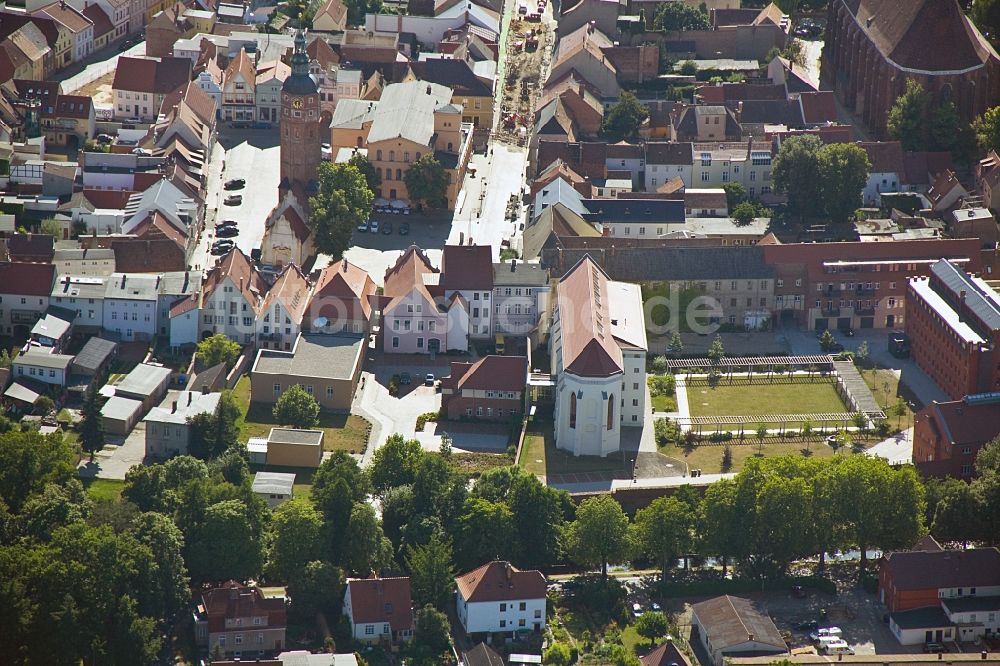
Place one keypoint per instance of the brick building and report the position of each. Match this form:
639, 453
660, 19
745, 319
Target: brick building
921, 577
491, 389
947, 436
872, 47
857, 285
240, 621
953, 320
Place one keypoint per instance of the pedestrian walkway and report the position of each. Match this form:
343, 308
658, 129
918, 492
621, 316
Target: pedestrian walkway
896, 450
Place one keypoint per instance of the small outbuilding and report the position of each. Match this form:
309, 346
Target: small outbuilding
729, 626
273, 487
292, 447
146, 383
120, 415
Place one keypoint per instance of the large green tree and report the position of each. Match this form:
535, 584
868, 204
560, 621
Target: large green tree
673, 16
214, 433
29, 461
367, 169
395, 463
342, 202
986, 15
987, 130
844, 169
623, 119
366, 547
227, 544
431, 635
486, 532
920, 122
217, 349
432, 575
294, 539
599, 535
663, 531
427, 182
796, 174
92, 425
296, 407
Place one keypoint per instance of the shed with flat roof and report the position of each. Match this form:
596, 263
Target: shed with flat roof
327, 366
120, 415
292, 447
146, 383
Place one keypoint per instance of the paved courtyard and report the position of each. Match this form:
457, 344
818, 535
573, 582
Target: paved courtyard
118, 457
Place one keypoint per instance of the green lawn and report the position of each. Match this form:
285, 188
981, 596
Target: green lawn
664, 403
886, 388
103, 489
539, 455
473, 464
708, 457
802, 396
343, 432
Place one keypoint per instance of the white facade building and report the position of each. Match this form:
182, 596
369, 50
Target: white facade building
499, 598
598, 355
130, 306
42, 367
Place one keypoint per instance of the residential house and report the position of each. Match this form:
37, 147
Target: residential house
520, 297
705, 202
887, 170
85, 296
232, 298
104, 29
168, 429
30, 41
275, 488
473, 94
267, 91
598, 347
175, 287
704, 123
953, 321
14, 63
331, 17
239, 83
429, 30
416, 318
240, 620
141, 84
715, 164
42, 366
146, 383
581, 51
24, 295
232, 13
410, 120
930, 592
731, 626
568, 110
65, 120
988, 179
467, 270
130, 306
31, 247
380, 610
974, 222
324, 68
288, 239
116, 12
666, 160
500, 598
341, 301
481, 655
602, 14
946, 192
280, 317
165, 29
55, 41
210, 82
328, 367
78, 27
490, 389
947, 436
667, 654
52, 331
99, 262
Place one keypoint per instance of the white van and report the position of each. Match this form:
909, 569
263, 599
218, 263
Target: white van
839, 647
828, 640
826, 631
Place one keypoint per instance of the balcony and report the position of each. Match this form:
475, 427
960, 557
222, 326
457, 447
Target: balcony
865, 312
830, 312
24, 316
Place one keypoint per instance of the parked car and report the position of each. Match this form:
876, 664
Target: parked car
404, 229
221, 247
934, 648
373, 226
227, 232
405, 379
235, 184
429, 379
826, 632
105, 138
363, 227
227, 223
636, 610
387, 228
233, 200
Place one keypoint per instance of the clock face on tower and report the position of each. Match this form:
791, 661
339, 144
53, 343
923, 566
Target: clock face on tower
297, 103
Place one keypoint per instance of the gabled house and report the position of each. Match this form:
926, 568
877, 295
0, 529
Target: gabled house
731, 626
331, 17
467, 270
78, 27
280, 318
500, 598
710, 122
520, 298
666, 160
240, 620
947, 436
988, 179
341, 301
270, 77
380, 610
24, 291
416, 316
104, 29
288, 239
581, 51
239, 84
141, 84
130, 306
42, 366
168, 429
474, 95
491, 389
232, 298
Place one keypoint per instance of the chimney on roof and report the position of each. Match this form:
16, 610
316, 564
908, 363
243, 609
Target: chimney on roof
204, 389
173, 407
343, 265
190, 398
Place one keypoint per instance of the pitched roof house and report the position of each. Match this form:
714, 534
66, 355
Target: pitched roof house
947, 436
237, 618
498, 597
491, 388
379, 609
141, 84
232, 297
729, 625
341, 299
239, 83
331, 17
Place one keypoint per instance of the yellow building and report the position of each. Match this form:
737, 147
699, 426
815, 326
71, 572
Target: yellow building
473, 93
410, 120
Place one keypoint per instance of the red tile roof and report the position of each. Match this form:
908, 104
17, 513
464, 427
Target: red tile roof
149, 75
588, 348
148, 256
107, 198
493, 373
467, 267
818, 107
375, 600
961, 424
233, 600
64, 14
408, 274
291, 289
885, 156
500, 581
26, 279
925, 570
102, 24
31, 247
343, 290
244, 275
665, 655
